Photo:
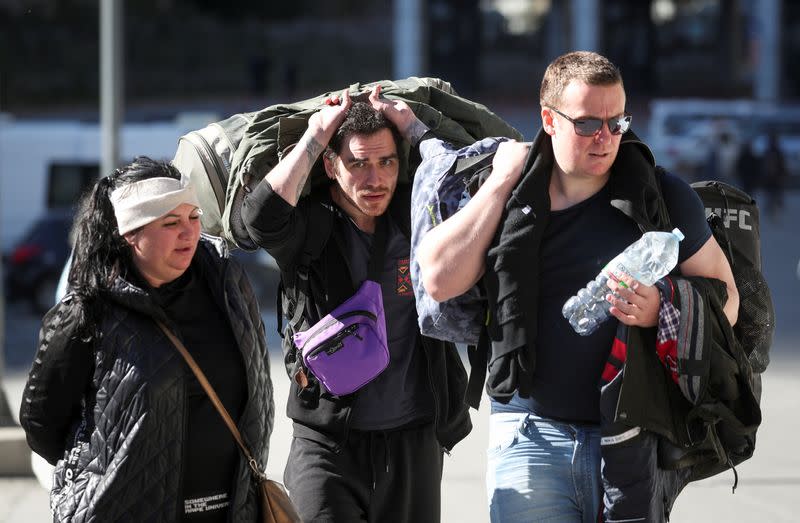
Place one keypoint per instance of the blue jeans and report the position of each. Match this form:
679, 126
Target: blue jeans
540, 469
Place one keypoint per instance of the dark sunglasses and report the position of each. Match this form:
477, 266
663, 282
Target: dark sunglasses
590, 126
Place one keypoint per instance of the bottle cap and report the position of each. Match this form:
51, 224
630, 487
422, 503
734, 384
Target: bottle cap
677, 232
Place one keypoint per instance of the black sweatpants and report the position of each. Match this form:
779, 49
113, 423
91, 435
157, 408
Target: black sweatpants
376, 476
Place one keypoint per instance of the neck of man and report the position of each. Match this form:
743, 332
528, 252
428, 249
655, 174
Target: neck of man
567, 190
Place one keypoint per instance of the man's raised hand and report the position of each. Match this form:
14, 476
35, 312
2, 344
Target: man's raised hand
400, 114
324, 123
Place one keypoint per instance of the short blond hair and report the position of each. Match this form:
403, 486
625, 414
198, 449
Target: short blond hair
586, 66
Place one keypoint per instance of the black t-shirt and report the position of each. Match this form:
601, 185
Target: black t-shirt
400, 395
210, 452
577, 244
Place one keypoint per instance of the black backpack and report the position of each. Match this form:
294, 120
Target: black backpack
720, 386
734, 220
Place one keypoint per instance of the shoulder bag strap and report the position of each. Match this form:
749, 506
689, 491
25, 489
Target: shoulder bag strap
254, 466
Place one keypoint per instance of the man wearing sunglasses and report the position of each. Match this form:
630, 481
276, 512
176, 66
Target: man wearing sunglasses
545, 222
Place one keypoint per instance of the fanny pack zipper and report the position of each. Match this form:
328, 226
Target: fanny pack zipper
333, 321
336, 341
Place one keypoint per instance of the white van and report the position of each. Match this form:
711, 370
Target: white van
46, 164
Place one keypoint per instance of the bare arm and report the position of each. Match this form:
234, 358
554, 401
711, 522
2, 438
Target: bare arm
289, 176
452, 254
710, 262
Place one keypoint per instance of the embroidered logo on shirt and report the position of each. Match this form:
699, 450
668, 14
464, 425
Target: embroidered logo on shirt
403, 286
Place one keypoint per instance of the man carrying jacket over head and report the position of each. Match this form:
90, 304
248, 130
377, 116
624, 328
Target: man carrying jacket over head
544, 223
376, 454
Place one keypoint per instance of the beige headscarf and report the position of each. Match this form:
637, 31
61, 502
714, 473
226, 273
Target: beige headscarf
139, 203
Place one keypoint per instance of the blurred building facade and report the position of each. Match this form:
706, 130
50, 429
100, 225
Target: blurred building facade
179, 51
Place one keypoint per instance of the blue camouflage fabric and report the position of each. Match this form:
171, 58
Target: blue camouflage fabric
438, 192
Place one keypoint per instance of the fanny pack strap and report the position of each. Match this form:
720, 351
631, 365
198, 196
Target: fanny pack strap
377, 249
374, 268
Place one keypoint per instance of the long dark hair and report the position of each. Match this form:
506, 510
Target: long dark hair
101, 253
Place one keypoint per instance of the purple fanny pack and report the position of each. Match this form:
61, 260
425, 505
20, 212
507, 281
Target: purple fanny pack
348, 348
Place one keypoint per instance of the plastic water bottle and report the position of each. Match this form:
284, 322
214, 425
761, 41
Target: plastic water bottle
646, 260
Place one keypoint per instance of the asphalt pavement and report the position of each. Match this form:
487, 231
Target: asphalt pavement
768, 482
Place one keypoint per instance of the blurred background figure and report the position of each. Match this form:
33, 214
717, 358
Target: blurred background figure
775, 175
748, 169
727, 154
723, 151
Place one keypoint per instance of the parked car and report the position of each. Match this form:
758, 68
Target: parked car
33, 267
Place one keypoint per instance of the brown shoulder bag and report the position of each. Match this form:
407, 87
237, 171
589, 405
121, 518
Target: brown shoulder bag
276, 507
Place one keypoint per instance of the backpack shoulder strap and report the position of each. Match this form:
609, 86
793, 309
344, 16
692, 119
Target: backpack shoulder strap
474, 163
320, 217
478, 362
474, 170
320, 220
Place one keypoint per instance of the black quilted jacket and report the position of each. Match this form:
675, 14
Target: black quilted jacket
119, 452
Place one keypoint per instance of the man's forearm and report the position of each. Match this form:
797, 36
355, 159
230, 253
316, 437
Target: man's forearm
289, 177
710, 262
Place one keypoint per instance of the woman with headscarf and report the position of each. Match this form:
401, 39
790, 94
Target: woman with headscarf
109, 399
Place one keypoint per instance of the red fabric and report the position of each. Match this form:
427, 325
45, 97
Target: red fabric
668, 354
619, 351
671, 289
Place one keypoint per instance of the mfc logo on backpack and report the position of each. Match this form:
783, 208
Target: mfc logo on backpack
734, 220
733, 217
